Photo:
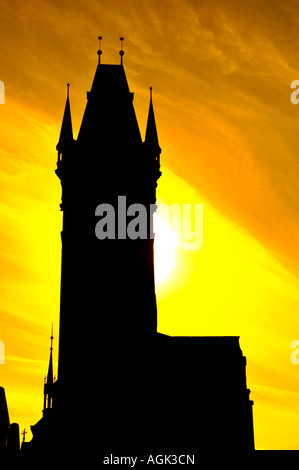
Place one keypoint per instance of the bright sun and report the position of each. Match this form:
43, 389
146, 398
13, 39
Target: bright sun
165, 245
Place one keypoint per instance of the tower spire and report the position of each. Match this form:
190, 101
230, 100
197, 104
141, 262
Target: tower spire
49, 380
50, 370
66, 132
121, 52
151, 135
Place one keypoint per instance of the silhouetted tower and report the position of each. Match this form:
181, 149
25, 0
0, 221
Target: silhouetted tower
124, 386
49, 382
107, 285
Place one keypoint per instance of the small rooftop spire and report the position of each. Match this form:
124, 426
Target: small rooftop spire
50, 370
24, 432
49, 380
99, 51
121, 52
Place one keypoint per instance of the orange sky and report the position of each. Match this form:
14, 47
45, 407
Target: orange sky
221, 74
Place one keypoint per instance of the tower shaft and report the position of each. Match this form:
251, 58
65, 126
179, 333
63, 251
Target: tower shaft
107, 283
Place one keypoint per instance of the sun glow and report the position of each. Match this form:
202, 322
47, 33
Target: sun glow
164, 249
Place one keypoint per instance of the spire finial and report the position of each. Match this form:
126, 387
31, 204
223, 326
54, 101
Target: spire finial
121, 52
151, 92
24, 432
68, 90
51, 337
99, 51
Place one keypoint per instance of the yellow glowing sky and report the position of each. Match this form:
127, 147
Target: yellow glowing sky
221, 74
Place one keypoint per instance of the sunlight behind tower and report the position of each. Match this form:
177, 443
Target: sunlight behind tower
164, 249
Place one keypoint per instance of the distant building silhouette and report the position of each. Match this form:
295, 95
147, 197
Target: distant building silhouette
9, 433
4, 419
122, 387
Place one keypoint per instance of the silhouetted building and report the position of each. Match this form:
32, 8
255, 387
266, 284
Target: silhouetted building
4, 420
13, 441
123, 387
9, 433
